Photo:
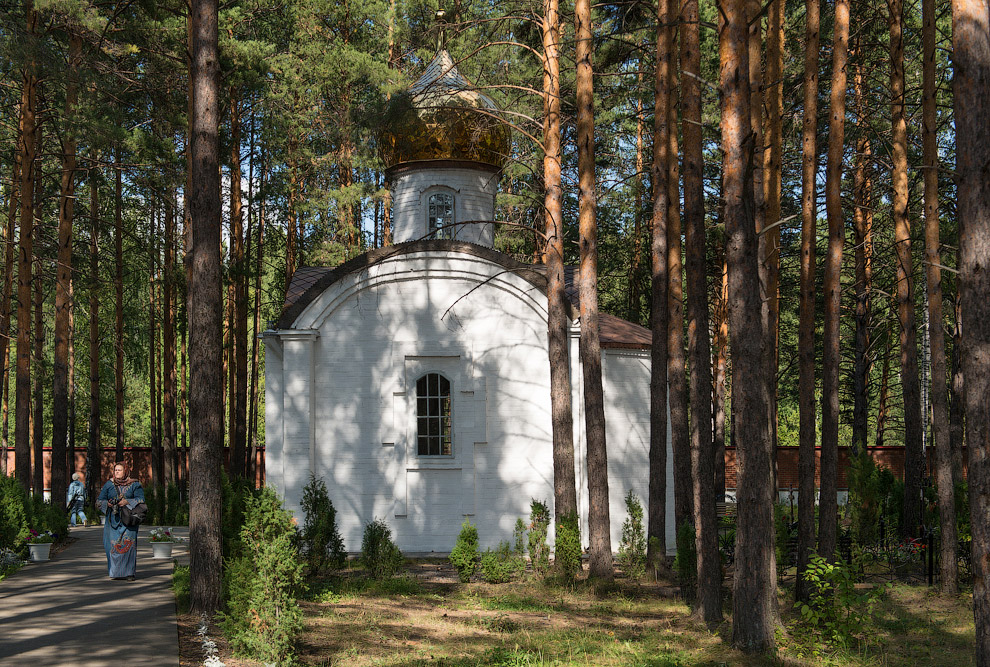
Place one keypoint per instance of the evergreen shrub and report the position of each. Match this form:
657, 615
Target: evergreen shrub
502, 564
632, 546
539, 527
14, 515
320, 540
263, 582
379, 555
567, 552
235, 494
464, 557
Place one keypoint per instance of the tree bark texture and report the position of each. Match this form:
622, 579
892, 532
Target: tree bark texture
971, 86
26, 148
806, 326
828, 501
913, 445
659, 314
118, 336
948, 568
599, 538
168, 346
205, 355
93, 455
38, 403
754, 602
239, 275
863, 236
709, 587
558, 322
721, 374
5, 304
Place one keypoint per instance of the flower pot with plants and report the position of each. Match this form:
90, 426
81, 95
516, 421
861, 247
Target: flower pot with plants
40, 545
161, 542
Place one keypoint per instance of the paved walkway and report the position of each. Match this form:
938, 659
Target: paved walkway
67, 612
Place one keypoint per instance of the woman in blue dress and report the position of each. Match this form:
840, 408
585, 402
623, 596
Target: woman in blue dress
119, 541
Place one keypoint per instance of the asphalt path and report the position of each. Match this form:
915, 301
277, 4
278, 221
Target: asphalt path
68, 612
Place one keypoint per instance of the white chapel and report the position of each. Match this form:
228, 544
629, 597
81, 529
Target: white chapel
414, 379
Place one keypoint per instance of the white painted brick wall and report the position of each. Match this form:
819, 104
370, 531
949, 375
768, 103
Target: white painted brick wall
474, 199
483, 328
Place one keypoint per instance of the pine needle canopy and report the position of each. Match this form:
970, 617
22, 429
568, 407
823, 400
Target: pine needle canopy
443, 117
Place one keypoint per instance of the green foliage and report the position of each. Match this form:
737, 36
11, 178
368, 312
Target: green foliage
176, 512
379, 555
500, 565
539, 526
262, 584
320, 539
154, 498
180, 587
632, 545
46, 516
836, 612
784, 533
567, 551
874, 495
235, 494
14, 514
686, 560
464, 556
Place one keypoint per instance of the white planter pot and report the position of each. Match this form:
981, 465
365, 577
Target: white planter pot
162, 549
39, 552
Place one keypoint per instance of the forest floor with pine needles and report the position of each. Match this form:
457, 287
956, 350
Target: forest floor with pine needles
426, 617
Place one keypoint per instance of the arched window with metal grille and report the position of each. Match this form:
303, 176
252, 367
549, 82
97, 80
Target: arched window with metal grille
440, 221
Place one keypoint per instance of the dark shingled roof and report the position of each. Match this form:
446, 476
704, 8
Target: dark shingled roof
308, 282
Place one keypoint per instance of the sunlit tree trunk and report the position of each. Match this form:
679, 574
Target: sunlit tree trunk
168, 346
721, 374
806, 328
5, 306
38, 404
863, 234
913, 446
936, 333
599, 538
754, 600
564, 486
709, 587
828, 503
239, 274
657, 522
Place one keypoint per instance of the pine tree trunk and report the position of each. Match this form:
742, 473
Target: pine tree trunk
709, 587
971, 85
634, 308
205, 355
118, 340
38, 403
157, 467
63, 273
558, 322
806, 328
5, 305
168, 346
754, 601
828, 501
93, 458
914, 455
863, 235
957, 397
600, 549
721, 375
239, 433
259, 264
659, 313
26, 148
883, 409
676, 361
948, 571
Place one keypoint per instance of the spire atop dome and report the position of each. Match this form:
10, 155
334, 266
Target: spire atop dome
443, 116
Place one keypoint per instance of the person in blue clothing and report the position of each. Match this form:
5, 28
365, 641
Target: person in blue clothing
74, 500
119, 541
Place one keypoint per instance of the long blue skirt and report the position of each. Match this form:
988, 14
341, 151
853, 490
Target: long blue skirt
120, 543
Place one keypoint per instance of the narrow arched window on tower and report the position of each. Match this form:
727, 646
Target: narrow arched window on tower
440, 223
433, 408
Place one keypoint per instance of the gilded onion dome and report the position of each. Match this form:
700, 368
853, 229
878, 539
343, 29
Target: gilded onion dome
443, 117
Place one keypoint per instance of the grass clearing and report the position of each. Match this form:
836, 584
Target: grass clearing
427, 618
